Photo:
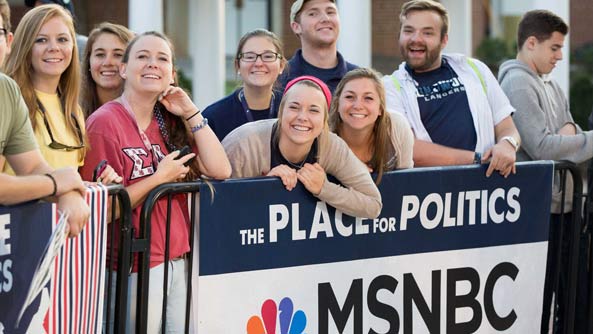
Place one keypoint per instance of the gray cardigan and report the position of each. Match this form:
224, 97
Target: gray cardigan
248, 149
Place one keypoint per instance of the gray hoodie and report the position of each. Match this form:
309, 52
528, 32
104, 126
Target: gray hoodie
542, 109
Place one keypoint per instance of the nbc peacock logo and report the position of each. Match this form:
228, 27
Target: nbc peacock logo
290, 323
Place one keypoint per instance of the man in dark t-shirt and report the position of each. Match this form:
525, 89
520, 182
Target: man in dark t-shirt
317, 25
457, 110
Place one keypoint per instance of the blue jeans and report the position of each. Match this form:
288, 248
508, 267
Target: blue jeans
176, 298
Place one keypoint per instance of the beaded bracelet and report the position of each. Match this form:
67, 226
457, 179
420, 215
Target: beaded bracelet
198, 127
190, 117
53, 180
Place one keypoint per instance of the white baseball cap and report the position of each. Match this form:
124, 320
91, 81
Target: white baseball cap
296, 8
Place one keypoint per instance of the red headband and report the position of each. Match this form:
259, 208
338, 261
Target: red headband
326, 92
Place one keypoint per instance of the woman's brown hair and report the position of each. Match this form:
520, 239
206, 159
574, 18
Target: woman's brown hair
89, 99
176, 133
381, 138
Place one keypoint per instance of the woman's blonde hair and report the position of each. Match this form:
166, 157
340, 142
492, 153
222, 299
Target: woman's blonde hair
324, 136
89, 98
19, 66
381, 139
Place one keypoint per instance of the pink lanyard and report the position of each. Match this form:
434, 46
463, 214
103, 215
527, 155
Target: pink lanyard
147, 144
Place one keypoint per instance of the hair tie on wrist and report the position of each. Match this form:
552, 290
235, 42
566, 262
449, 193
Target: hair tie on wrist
53, 180
190, 117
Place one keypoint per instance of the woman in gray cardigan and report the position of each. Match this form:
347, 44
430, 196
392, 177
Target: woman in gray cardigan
298, 147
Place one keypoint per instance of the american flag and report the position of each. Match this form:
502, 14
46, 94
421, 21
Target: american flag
77, 286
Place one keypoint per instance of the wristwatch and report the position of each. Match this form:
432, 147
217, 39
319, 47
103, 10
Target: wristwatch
477, 158
511, 141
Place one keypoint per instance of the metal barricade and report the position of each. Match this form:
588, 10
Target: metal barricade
576, 227
589, 233
141, 245
120, 216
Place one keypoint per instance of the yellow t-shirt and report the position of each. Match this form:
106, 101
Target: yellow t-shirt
57, 122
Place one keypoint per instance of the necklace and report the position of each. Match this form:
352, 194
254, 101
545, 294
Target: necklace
298, 165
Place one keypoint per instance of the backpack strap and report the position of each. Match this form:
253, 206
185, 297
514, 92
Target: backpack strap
472, 64
396, 83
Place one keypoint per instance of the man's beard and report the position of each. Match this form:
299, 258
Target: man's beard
430, 57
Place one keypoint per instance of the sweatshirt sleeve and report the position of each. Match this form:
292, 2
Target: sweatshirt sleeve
538, 140
358, 195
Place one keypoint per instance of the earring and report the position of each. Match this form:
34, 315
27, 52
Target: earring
238, 73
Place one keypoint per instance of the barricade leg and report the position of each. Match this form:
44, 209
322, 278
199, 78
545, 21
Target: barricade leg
552, 280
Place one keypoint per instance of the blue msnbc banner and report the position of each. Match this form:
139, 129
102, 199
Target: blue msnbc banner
451, 251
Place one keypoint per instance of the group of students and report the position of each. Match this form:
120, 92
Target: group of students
133, 115
297, 120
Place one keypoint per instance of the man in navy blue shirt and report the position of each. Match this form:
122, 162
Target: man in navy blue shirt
317, 25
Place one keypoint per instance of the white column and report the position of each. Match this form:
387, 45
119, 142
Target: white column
460, 26
355, 31
207, 40
562, 9
145, 15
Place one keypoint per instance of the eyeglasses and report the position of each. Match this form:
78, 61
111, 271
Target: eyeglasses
3, 32
54, 144
266, 57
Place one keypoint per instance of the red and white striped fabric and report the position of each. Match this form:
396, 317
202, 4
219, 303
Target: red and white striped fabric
77, 285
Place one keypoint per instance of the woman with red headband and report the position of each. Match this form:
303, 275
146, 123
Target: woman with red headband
298, 147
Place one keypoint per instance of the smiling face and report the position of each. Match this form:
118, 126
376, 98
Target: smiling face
359, 105
420, 40
259, 73
52, 50
303, 115
150, 65
318, 23
106, 56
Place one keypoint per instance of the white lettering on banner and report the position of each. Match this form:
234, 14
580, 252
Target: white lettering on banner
433, 211
4, 234
5, 275
5, 265
412, 207
252, 236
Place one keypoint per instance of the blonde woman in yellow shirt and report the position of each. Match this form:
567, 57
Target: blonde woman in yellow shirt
44, 62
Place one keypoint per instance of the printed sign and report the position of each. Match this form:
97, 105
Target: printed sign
451, 252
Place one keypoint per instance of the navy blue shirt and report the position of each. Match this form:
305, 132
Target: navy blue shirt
444, 108
228, 113
298, 66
